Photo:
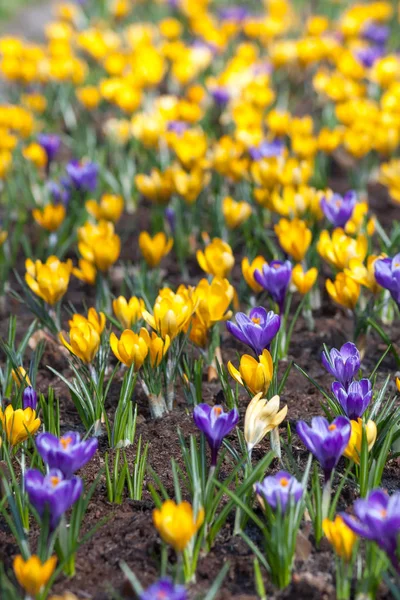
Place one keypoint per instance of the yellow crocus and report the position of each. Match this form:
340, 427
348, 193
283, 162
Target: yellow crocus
353, 450
364, 275
109, 208
18, 425
89, 96
262, 416
128, 312
20, 375
212, 301
48, 280
294, 237
99, 244
35, 154
32, 574
255, 374
130, 348
248, 269
304, 280
50, 217
217, 258
357, 220
176, 523
154, 248
235, 213
171, 312
340, 536
95, 319
84, 341
339, 249
156, 345
157, 187
189, 185
85, 271
344, 290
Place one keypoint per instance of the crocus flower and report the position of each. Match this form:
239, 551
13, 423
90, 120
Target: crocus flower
164, 589
176, 523
338, 209
378, 34
377, 518
353, 448
387, 274
215, 424
235, 14
340, 536
68, 453
82, 175
29, 398
32, 574
277, 490
325, 441
343, 364
52, 492
220, 95
267, 150
256, 330
275, 278
355, 399
18, 425
58, 192
51, 145
262, 416
256, 375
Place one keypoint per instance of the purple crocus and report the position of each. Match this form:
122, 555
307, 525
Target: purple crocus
68, 453
220, 95
256, 330
58, 193
52, 492
338, 209
387, 274
355, 399
275, 278
170, 216
277, 490
378, 34
29, 398
164, 589
368, 56
377, 518
235, 14
82, 175
267, 150
343, 364
178, 127
51, 144
215, 424
325, 441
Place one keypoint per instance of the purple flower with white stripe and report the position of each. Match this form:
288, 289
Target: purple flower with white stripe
343, 364
256, 330
68, 453
355, 400
275, 278
52, 492
29, 398
326, 441
82, 175
164, 589
387, 274
277, 490
215, 424
338, 209
377, 518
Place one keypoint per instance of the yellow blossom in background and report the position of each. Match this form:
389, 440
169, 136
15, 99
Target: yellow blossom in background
302, 280
32, 574
262, 416
248, 269
171, 312
84, 340
154, 248
48, 280
157, 187
99, 244
18, 425
50, 217
35, 154
156, 345
357, 220
86, 271
130, 348
65, 596
389, 175
340, 536
109, 208
128, 312
176, 523
217, 258
364, 275
255, 374
190, 184
20, 376
120, 8
339, 249
344, 290
94, 318
89, 96
235, 213
353, 450
294, 237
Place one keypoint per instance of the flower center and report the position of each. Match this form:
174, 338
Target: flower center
54, 481
256, 320
65, 442
217, 411
383, 513
284, 481
332, 427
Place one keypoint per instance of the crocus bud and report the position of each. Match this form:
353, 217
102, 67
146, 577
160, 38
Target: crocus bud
29, 398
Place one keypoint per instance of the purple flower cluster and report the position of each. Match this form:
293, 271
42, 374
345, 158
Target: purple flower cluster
57, 491
164, 589
353, 396
277, 490
387, 274
338, 209
215, 424
275, 279
256, 330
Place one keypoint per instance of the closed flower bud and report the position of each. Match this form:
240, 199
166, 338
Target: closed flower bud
29, 398
18, 425
256, 375
340, 536
128, 312
32, 574
109, 208
302, 280
86, 271
235, 213
48, 280
130, 349
262, 416
171, 312
154, 248
353, 449
248, 269
217, 258
294, 237
156, 345
84, 341
50, 217
176, 523
95, 319
99, 244
344, 290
